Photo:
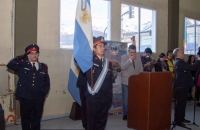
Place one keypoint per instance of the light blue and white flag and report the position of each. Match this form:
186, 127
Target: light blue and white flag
83, 38
83, 46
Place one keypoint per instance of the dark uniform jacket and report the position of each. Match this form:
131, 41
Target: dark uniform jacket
33, 86
82, 80
183, 76
104, 94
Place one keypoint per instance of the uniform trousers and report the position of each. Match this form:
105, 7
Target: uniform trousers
31, 113
180, 103
82, 90
97, 113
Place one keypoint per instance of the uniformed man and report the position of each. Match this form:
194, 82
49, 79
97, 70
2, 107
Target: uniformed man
182, 82
32, 86
99, 89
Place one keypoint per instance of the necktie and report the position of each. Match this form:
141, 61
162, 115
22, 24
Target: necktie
34, 68
101, 59
133, 62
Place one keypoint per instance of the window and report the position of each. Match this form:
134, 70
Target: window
192, 36
100, 11
141, 23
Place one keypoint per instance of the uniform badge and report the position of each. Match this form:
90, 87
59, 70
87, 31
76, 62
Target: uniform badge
42, 73
96, 65
85, 16
26, 68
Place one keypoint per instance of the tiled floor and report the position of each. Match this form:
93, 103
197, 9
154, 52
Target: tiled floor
115, 122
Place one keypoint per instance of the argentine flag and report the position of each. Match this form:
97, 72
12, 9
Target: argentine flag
83, 46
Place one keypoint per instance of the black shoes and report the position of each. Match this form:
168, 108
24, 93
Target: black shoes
190, 98
125, 117
181, 124
186, 121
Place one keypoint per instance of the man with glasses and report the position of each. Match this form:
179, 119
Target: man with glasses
131, 65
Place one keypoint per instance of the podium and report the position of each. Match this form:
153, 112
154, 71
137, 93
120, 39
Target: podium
149, 101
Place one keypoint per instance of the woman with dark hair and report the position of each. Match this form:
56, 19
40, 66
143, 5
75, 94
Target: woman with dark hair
161, 64
191, 60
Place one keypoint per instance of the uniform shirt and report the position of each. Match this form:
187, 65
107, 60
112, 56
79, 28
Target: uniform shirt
36, 65
101, 59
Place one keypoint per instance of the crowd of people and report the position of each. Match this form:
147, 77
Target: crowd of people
185, 76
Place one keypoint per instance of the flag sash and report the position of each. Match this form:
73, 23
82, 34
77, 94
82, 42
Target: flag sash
99, 81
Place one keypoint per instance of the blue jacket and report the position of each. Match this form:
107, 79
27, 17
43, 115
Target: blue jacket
33, 86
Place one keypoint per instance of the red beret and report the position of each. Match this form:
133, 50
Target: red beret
32, 47
97, 40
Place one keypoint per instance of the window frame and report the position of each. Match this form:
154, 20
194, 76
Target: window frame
194, 36
154, 17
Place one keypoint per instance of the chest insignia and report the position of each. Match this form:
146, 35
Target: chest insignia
26, 68
96, 65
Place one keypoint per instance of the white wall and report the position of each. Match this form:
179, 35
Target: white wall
59, 101
6, 51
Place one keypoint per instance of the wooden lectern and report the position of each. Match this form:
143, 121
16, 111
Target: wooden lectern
149, 101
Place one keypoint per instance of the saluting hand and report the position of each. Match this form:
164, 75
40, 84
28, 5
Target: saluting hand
24, 55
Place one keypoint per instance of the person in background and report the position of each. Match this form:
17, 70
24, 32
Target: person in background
170, 61
147, 61
182, 82
133, 40
32, 87
130, 65
161, 64
191, 60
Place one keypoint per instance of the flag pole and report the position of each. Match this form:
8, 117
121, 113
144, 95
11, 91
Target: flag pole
92, 81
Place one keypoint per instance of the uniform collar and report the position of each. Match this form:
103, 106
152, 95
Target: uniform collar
100, 57
36, 64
